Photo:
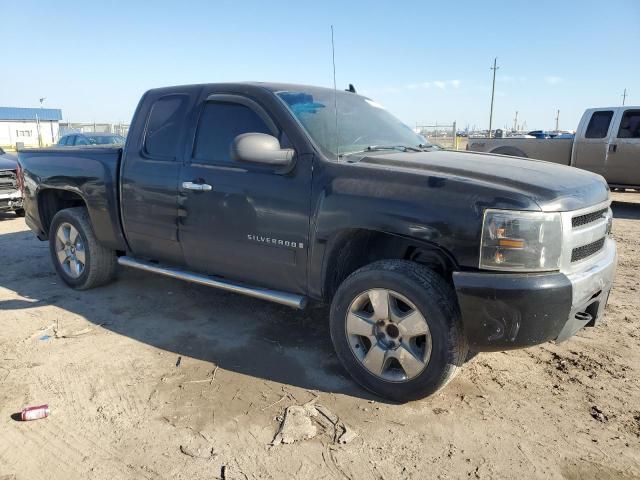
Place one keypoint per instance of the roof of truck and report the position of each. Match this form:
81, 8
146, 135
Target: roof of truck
270, 86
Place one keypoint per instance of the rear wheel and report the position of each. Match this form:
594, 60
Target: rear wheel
396, 328
19, 212
79, 259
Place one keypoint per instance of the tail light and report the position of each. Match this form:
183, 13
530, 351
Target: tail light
20, 179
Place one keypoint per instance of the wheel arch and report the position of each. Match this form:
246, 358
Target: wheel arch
351, 249
52, 200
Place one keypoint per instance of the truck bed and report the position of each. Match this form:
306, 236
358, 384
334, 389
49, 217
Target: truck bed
556, 150
88, 172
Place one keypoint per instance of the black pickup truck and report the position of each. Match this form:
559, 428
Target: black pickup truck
293, 194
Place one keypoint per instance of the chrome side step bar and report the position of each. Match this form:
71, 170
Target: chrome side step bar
284, 298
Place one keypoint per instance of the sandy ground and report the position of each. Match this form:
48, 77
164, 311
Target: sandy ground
153, 378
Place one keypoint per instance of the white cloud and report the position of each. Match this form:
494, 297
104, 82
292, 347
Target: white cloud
553, 80
441, 84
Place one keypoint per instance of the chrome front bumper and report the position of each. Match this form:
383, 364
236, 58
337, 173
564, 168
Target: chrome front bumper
590, 289
10, 200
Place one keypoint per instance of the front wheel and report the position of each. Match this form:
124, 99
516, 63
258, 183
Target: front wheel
19, 212
396, 328
79, 259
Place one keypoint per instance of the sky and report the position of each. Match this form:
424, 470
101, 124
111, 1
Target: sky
426, 62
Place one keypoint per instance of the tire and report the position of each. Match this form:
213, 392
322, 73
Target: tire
410, 288
99, 265
19, 212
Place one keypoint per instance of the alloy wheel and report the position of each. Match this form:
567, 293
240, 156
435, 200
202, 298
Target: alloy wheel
388, 335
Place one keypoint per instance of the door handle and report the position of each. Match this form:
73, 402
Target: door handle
613, 148
199, 187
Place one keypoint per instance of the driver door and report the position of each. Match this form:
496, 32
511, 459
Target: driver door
242, 221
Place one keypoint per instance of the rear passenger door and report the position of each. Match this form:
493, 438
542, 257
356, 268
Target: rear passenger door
252, 224
623, 162
149, 176
591, 145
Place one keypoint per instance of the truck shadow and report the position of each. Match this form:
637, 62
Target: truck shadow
237, 333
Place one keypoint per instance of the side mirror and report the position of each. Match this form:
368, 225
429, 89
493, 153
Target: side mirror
260, 148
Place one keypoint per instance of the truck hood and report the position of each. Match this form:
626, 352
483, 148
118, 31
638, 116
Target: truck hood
7, 163
552, 186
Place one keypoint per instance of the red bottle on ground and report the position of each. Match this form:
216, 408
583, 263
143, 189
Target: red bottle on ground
34, 413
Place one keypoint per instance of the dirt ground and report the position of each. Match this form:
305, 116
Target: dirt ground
152, 378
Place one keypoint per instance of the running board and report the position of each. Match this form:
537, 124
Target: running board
284, 298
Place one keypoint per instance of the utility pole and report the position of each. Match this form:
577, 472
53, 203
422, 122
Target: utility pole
515, 122
558, 121
624, 96
493, 91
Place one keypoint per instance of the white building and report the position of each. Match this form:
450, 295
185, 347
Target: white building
33, 127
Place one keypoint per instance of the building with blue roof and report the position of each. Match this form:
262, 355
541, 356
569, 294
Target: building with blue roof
29, 127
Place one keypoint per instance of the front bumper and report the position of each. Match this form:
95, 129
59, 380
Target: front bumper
502, 311
10, 201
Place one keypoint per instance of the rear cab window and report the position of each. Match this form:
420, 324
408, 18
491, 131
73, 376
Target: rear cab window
164, 123
599, 124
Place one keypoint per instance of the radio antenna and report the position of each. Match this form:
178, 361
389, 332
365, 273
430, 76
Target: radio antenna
335, 92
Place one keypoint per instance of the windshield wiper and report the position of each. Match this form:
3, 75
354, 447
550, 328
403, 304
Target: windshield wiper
377, 148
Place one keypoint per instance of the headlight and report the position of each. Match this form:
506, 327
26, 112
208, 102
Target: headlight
521, 241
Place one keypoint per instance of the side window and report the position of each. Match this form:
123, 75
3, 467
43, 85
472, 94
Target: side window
219, 124
63, 141
630, 125
70, 140
163, 126
599, 124
80, 140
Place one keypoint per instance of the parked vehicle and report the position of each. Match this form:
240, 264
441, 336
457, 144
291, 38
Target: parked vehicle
10, 195
423, 253
607, 142
93, 138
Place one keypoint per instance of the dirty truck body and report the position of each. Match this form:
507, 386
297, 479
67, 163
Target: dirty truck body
423, 254
607, 142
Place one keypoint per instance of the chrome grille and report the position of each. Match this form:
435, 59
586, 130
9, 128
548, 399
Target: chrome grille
584, 235
587, 218
585, 251
8, 181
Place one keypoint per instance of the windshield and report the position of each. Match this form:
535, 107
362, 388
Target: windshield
362, 124
105, 139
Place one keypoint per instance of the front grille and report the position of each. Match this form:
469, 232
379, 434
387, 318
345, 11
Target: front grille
8, 181
587, 218
585, 251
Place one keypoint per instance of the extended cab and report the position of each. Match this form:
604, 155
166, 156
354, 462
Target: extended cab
292, 193
607, 142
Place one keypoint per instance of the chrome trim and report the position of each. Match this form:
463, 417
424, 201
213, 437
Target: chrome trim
199, 187
289, 299
598, 275
574, 237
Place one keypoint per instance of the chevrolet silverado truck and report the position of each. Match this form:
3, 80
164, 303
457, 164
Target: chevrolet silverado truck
607, 142
298, 194
10, 196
